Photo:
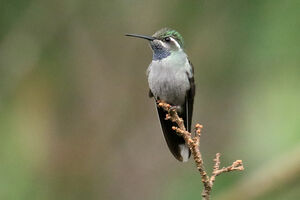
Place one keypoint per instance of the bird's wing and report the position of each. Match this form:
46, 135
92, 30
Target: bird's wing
189, 102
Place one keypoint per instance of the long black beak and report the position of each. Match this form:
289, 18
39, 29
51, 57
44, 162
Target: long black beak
141, 36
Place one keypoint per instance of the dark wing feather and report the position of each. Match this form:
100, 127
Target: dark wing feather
150, 94
190, 100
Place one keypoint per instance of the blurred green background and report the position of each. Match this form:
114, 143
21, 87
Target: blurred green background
76, 121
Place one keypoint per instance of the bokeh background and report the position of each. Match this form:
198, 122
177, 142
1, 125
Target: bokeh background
76, 121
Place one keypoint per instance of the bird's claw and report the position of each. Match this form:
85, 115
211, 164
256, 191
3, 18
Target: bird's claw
173, 108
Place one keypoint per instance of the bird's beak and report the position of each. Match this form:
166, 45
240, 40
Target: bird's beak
141, 36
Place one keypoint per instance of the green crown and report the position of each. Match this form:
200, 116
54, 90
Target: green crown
167, 32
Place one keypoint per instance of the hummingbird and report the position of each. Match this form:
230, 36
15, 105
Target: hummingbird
171, 79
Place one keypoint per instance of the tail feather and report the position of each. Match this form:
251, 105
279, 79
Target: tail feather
175, 142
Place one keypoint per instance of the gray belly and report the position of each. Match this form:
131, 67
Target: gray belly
169, 85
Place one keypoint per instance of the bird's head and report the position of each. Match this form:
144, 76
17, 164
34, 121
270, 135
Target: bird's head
163, 42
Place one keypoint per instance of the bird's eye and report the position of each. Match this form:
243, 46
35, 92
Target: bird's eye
167, 39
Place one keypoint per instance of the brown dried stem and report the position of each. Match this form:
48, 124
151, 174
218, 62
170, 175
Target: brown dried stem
193, 143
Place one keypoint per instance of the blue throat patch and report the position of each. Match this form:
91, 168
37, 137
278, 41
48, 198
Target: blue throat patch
160, 54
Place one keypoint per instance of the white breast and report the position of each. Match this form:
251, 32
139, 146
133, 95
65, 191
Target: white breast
169, 78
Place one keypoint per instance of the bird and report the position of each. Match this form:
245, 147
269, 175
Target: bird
171, 79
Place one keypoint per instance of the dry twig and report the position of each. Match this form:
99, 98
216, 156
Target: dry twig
193, 143
277, 175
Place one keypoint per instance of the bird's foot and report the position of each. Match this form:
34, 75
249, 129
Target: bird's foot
174, 108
